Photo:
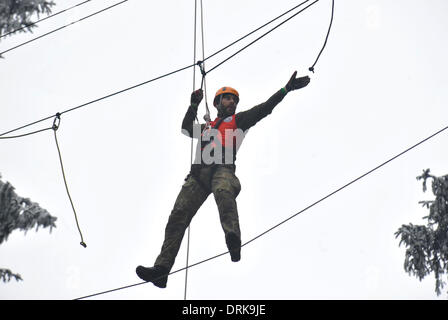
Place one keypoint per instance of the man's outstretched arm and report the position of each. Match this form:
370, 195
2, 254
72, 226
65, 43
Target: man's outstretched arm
249, 118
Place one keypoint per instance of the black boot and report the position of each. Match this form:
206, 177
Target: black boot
158, 275
234, 246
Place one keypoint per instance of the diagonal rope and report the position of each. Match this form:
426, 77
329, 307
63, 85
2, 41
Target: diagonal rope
63, 27
160, 77
99, 99
26, 134
255, 30
43, 19
262, 36
129, 88
292, 216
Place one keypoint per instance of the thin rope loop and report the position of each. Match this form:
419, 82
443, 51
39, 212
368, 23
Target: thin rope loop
326, 38
56, 124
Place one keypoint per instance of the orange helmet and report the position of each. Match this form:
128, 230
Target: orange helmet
224, 90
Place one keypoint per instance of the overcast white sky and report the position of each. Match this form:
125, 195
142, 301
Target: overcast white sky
379, 87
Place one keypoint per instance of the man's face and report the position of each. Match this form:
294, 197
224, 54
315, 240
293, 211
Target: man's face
229, 103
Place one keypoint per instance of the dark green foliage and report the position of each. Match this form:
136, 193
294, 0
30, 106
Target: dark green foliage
427, 246
16, 14
16, 212
19, 213
6, 275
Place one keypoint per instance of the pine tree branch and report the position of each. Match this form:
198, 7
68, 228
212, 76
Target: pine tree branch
6, 275
20, 213
16, 15
427, 246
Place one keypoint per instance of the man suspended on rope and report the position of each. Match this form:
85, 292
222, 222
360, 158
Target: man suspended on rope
213, 171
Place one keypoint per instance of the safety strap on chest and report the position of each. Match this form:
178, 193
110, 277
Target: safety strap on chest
216, 126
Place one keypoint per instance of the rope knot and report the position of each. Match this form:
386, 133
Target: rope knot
201, 67
57, 121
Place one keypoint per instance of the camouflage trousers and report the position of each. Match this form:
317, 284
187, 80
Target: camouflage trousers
225, 186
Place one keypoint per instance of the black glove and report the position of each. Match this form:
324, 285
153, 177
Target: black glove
297, 83
196, 97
